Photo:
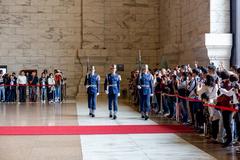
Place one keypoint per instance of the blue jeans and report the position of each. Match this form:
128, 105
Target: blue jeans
165, 104
57, 93
2, 93
43, 94
184, 109
113, 99
32, 93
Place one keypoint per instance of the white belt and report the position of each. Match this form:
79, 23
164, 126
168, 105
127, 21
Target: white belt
112, 85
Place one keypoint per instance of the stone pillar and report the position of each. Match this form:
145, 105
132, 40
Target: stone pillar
219, 48
235, 59
219, 41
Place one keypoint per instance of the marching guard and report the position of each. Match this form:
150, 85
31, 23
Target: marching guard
112, 89
92, 83
145, 85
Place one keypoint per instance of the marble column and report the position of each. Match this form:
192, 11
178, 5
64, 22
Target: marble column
219, 41
235, 59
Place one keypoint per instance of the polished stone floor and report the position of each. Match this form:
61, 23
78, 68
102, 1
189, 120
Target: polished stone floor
97, 147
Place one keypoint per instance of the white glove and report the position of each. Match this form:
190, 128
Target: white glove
118, 94
106, 91
139, 87
151, 95
97, 94
87, 86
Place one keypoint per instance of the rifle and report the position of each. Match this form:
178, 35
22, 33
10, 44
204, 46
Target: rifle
87, 65
140, 74
140, 65
87, 74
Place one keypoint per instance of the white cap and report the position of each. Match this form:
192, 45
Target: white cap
145, 66
113, 66
92, 68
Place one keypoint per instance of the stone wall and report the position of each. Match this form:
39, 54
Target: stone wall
39, 34
114, 32
183, 24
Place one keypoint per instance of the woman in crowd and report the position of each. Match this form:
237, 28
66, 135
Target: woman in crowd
51, 88
11, 85
182, 90
208, 93
58, 83
43, 87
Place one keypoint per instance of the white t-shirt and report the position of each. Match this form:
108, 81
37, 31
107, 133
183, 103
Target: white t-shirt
22, 79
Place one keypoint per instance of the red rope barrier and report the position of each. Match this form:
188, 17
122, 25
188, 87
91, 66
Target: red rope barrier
29, 85
206, 105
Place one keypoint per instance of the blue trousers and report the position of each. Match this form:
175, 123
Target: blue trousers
11, 95
57, 93
166, 106
145, 103
2, 93
43, 94
113, 99
92, 101
33, 93
184, 109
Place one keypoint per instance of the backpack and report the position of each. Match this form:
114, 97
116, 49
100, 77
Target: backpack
58, 79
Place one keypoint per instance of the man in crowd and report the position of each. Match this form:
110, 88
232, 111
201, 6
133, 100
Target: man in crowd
33, 81
22, 82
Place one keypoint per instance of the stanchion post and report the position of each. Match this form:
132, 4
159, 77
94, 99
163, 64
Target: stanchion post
177, 110
161, 103
205, 129
188, 110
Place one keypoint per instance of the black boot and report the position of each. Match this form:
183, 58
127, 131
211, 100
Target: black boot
114, 117
227, 143
146, 117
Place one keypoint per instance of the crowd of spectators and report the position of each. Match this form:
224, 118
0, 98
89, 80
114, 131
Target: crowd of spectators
29, 87
197, 87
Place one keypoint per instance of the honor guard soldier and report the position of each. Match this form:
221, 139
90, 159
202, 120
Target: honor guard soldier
92, 83
145, 85
112, 89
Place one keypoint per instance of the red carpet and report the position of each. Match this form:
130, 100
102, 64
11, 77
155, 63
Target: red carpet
90, 130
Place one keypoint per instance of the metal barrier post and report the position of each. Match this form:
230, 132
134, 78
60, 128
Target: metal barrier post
177, 110
189, 112
161, 103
